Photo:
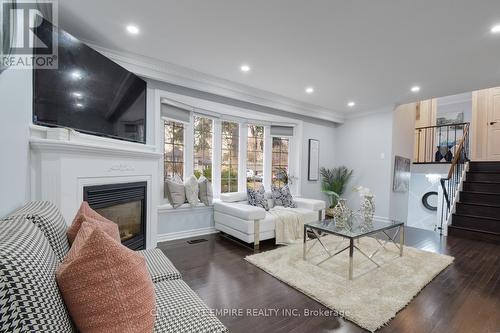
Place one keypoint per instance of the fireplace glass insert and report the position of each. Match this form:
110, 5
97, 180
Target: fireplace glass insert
124, 204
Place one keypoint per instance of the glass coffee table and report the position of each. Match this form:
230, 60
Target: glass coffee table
357, 227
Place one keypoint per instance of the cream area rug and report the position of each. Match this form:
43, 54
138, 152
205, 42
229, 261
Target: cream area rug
374, 296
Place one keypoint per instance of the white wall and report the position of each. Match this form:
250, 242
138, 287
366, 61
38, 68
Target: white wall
454, 104
15, 112
327, 142
368, 145
364, 145
418, 215
403, 129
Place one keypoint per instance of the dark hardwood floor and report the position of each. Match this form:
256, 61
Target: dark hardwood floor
463, 298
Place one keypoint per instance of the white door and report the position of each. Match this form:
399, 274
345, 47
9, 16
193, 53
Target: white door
494, 125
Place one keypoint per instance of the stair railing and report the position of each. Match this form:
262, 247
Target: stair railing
451, 183
438, 144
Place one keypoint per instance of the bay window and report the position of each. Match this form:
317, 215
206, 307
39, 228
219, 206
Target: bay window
230, 153
173, 156
255, 156
202, 148
229, 157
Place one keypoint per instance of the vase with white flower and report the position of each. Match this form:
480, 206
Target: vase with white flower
367, 207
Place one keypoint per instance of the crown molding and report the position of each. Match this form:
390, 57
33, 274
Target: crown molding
174, 74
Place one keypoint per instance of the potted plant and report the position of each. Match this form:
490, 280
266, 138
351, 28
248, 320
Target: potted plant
333, 182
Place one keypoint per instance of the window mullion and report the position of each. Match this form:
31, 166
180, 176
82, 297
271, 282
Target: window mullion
216, 157
242, 161
189, 147
268, 155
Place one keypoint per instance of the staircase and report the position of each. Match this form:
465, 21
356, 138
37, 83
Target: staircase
477, 214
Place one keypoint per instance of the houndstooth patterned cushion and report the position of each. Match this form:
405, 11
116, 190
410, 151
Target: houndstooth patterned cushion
159, 266
46, 216
283, 197
179, 309
29, 297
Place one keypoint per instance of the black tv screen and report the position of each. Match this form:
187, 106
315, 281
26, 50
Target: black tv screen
88, 92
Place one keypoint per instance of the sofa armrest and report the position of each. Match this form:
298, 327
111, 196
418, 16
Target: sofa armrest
311, 204
242, 211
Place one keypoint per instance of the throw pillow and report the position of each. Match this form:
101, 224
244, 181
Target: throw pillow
258, 198
283, 197
85, 213
206, 191
105, 286
191, 188
175, 191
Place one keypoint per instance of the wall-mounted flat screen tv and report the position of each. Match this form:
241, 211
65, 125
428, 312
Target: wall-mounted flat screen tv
88, 92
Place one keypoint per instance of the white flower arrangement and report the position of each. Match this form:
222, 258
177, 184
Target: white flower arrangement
363, 191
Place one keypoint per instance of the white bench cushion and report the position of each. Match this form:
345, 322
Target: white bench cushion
233, 197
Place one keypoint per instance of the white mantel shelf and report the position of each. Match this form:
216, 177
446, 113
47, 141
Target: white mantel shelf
71, 147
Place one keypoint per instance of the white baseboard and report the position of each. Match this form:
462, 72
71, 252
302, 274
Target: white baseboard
185, 234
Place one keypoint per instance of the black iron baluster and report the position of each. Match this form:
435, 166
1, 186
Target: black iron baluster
425, 145
418, 150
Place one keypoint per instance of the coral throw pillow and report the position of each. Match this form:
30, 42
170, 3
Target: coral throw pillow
105, 286
85, 213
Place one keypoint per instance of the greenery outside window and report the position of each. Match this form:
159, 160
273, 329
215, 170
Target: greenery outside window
174, 149
280, 161
255, 156
202, 152
229, 157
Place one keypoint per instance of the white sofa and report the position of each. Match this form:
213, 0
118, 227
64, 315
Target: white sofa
234, 216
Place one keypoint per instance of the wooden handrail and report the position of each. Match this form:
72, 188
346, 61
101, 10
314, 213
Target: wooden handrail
436, 126
459, 150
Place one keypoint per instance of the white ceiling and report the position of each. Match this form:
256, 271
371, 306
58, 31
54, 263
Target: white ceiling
371, 52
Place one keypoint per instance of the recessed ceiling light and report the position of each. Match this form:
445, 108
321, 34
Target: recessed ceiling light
132, 29
245, 68
495, 29
309, 90
415, 89
77, 94
79, 105
76, 75
351, 104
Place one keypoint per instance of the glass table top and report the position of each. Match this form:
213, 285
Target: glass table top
355, 227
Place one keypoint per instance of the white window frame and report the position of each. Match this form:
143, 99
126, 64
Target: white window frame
184, 136
294, 148
290, 140
220, 152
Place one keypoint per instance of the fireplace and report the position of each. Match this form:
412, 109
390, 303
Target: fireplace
124, 204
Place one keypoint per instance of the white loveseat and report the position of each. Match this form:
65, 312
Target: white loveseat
234, 216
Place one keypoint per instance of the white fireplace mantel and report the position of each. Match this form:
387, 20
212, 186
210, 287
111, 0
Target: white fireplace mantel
63, 162
70, 147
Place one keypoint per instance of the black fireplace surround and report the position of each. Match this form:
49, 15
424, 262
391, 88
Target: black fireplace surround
124, 204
